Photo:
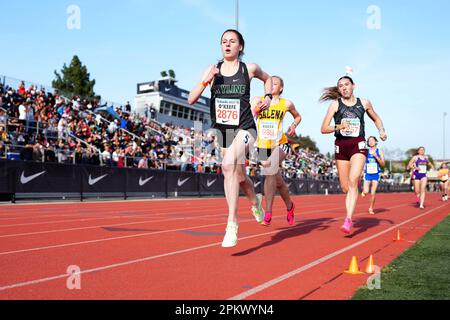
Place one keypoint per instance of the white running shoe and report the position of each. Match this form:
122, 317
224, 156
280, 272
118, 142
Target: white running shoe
230, 239
258, 211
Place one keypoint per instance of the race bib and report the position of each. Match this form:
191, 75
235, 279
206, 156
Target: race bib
353, 129
372, 168
422, 168
268, 129
228, 111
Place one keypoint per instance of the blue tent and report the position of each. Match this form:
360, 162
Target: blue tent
109, 111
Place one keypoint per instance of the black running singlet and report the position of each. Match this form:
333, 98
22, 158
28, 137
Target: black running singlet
230, 101
353, 116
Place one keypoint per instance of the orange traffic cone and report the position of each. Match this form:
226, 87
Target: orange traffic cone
353, 267
398, 237
370, 268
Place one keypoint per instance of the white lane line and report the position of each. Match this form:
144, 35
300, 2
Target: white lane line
136, 222
314, 263
88, 201
102, 215
26, 283
142, 222
109, 225
142, 234
21, 284
143, 212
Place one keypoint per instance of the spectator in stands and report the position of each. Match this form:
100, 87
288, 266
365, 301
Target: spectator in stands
115, 157
113, 127
143, 162
64, 153
26, 154
106, 156
78, 154
2, 151
128, 107
37, 152
21, 89
22, 112
152, 112
49, 154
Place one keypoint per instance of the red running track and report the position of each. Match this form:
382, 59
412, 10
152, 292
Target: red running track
170, 249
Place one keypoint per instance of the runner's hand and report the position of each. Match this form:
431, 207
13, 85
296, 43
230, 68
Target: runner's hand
212, 73
383, 136
343, 126
291, 131
265, 104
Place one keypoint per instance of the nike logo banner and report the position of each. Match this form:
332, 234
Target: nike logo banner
25, 180
181, 182
143, 182
94, 181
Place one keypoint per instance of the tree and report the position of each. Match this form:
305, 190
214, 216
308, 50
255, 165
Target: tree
169, 73
75, 80
304, 142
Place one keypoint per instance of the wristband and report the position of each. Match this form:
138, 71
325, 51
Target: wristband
205, 84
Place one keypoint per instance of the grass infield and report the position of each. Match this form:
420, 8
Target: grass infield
420, 273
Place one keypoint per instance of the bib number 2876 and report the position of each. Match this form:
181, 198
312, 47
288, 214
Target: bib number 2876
228, 111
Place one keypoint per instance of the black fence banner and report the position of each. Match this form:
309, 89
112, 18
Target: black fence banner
23, 179
211, 184
146, 181
37, 177
258, 184
323, 187
182, 183
96, 179
313, 186
292, 185
302, 186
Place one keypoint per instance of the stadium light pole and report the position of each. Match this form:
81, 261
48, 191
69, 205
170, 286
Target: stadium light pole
237, 15
443, 129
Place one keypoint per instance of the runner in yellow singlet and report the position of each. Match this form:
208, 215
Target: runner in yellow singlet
444, 177
273, 147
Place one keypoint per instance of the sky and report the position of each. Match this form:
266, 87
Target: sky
399, 51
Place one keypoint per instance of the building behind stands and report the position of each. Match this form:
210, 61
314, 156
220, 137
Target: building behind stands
169, 104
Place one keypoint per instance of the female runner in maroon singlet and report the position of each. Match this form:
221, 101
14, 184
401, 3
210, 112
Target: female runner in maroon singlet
350, 146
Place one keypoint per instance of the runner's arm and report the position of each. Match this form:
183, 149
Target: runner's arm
297, 117
375, 118
411, 163
207, 78
326, 128
255, 71
381, 158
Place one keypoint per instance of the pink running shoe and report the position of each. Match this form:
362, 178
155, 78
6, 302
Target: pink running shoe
267, 219
290, 215
347, 226
417, 200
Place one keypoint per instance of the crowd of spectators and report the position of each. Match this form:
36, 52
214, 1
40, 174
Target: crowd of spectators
36, 125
